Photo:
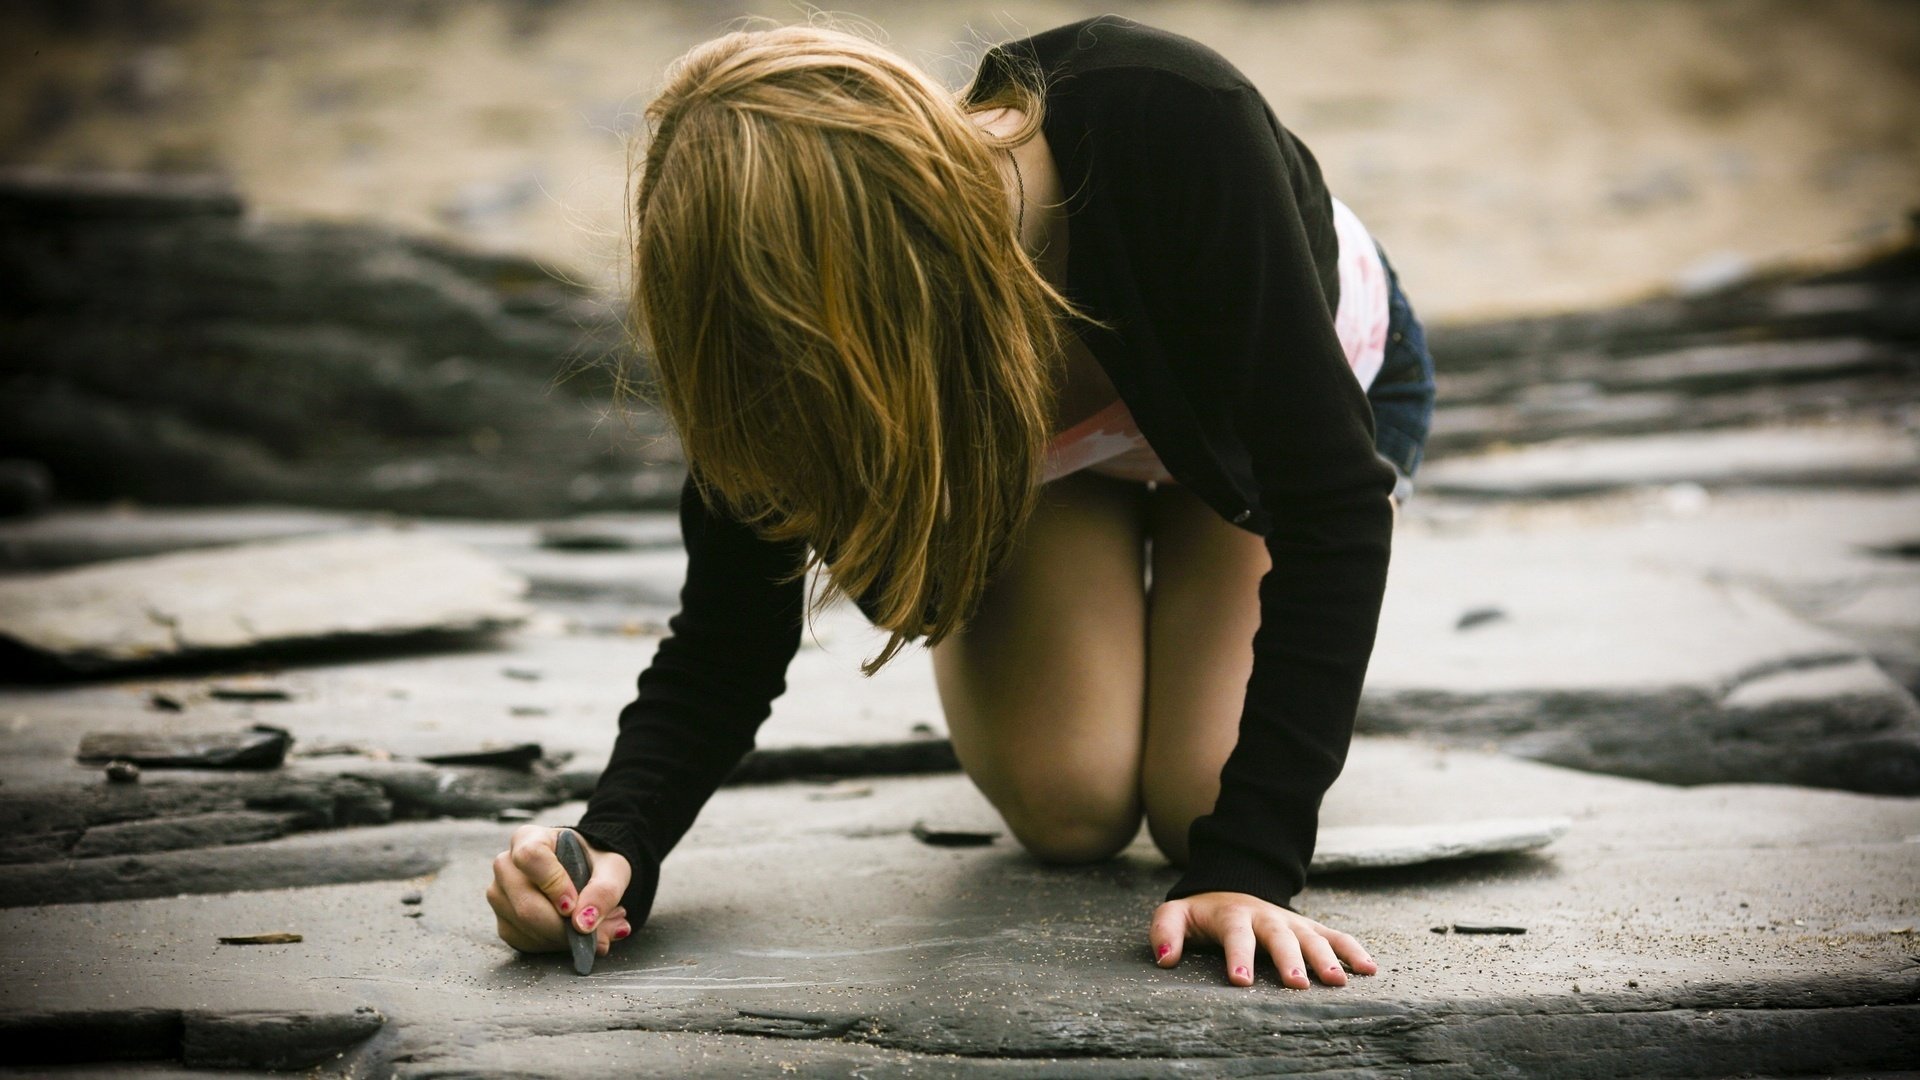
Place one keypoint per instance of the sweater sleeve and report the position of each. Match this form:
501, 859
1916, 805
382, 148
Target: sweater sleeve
1229, 283
710, 685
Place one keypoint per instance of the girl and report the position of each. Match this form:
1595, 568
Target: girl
973, 356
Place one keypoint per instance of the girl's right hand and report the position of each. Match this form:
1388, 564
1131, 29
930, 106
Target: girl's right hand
532, 897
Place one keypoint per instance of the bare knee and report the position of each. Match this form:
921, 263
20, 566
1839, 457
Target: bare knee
1070, 842
1169, 831
1175, 798
1068, 820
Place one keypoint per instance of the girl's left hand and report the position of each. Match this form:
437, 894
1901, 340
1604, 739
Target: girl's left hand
1238, 922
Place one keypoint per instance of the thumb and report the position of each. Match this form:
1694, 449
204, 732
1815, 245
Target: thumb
602, 892
1169, 933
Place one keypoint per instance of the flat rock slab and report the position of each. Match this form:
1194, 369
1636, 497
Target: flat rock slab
278, 593
1674, 932
1372, 847
1809, 456
317, 858
275, 1040
1677, 645
76, 536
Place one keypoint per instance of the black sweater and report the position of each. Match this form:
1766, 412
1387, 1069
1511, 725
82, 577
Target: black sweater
1201, 233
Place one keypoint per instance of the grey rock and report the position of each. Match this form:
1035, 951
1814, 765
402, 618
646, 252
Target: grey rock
241, 1039
274, 1040
310, 859
183, 831
1805, 457
164, 347
573, 858
1359, 847
516, 756
1645, 647
944, 835
1727, 350
169, 812
75, 536
886, 956
59, 194
1479, 616
476, 791
122, 772
87, 1036
257, 747
26, 488
253, 694
279, 593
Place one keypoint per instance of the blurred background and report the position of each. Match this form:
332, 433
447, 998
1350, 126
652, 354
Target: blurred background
368, 253
1514, 154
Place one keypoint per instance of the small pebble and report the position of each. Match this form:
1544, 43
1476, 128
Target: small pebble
526, 710
249, 693
411, 898
523, 674
123, 772
413, 914
943, 836
165, 703
1478, 617
513, 813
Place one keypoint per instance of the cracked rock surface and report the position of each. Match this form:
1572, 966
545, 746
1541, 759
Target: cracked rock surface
1665, 727
798, 934
1717, 928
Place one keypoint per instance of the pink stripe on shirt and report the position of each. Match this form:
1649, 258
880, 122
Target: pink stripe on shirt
1110, 443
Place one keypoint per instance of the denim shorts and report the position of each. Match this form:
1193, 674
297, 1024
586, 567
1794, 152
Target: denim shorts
1402, 393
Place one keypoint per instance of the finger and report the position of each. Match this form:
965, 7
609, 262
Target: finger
1320, 959
514, 899
1169, 932
533, 854
1348, 948
1284, 947
1238, 942
515, 937
611, 876
613, 929
603, 935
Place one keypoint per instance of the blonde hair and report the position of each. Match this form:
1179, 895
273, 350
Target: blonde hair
846, 334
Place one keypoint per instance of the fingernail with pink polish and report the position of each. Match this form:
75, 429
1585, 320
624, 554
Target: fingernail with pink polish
1163, 950
566, 905
622, 932
588, 916
1240, 971
1298, 974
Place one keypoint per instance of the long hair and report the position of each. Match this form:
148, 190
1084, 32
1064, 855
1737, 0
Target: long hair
848, 339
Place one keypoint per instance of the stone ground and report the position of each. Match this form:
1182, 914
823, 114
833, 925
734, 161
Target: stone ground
1710, 678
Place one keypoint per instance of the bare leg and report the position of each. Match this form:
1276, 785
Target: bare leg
1203, 611
1044, 690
